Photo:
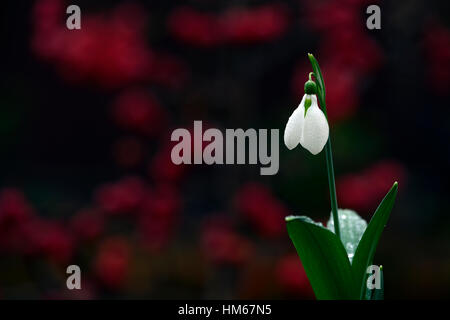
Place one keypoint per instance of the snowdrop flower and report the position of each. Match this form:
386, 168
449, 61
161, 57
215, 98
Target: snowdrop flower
307, 125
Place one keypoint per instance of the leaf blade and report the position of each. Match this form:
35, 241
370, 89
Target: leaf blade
324, 259
367, 245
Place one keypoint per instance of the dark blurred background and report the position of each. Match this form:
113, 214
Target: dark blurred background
85, 123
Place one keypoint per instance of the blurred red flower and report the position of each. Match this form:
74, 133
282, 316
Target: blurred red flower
112, 263
236, 25
338, 15
364, 190
120, 197
342, 98
21, 231
221, 244
162, 169
42, 238
194, 27
87, 224
157, 216
257, 203
14, 208
55, 241
260, 24
108, 50
437, 50
291, 277
139, 111
165, 202
352, 50
15, 215
47, 15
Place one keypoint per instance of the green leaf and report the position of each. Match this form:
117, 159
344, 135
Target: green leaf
318, 76
368, 244
352, 228
324, 259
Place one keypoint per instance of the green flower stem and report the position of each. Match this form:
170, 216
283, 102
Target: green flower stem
332, 186
328, 152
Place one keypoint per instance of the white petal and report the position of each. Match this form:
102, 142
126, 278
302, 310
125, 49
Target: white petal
294, 126
315, 130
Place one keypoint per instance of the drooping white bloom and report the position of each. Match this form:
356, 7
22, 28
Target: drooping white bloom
294, 127
310, 130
